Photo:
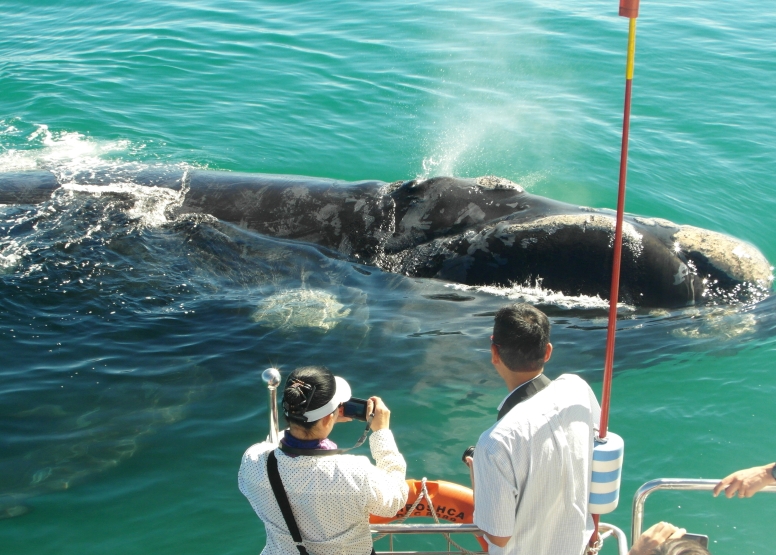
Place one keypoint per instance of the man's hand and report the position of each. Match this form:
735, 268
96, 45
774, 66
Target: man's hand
746, 482
655, 536
382, 416
469, 461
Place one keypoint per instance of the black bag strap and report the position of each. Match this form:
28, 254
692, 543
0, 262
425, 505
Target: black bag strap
282, 499
522, 393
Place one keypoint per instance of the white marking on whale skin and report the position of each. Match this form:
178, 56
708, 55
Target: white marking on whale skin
501, 232
295, 193
527, 241
472, 212
415, 219
360, 203
330, 214
477, 241
681, 274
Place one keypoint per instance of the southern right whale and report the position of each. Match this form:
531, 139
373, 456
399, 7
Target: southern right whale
478, 231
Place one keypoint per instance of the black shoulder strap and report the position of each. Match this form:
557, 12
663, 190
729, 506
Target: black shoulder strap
282, 499
525, 391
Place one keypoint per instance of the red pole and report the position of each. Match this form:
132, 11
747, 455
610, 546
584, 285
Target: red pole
629, 9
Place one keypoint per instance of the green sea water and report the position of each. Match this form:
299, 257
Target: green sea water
130, 382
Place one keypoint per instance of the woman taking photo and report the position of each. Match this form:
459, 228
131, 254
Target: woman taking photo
330, 495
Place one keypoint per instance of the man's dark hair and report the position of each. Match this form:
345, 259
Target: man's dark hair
302, 383
521, 333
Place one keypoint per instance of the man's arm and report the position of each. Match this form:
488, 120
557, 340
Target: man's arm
500, 541
746, 482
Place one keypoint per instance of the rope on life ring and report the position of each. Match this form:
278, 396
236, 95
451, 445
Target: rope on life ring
443, 500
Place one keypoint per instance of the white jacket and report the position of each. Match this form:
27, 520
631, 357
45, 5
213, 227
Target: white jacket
331, 497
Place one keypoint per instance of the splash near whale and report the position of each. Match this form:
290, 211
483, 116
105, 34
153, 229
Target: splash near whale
479, 231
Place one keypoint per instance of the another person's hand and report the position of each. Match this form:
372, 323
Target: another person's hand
746, 482
382, 416
654, 537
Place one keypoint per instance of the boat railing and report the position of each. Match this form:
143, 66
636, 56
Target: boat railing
606, 531
675, 484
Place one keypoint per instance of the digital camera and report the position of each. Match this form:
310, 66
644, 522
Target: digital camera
355, 408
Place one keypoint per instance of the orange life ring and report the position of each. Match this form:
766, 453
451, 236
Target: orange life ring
452, 502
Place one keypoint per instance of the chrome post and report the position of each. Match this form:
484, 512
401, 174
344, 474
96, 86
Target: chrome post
272, 377
608, 530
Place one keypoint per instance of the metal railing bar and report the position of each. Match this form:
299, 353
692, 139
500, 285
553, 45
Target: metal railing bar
426, 552
675, 484
449, 528
606, 529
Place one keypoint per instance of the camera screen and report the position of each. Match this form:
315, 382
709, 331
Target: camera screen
355, 408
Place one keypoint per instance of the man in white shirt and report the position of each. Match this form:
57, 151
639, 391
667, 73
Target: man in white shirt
532, 469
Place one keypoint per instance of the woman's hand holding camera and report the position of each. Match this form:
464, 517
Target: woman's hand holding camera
382, 415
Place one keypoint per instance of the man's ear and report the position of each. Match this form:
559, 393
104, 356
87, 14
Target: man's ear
548, 352
495, 358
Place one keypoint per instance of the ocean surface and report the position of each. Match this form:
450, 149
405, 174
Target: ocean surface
132, 345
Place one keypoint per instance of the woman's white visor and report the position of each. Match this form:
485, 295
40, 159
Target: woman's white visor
341, 394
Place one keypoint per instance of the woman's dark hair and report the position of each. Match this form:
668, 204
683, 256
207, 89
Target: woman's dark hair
307, 388
521, 333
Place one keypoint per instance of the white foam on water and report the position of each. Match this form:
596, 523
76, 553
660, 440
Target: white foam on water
151, 203
536, 294
69, 154
12, 250
10, 257
63, 152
